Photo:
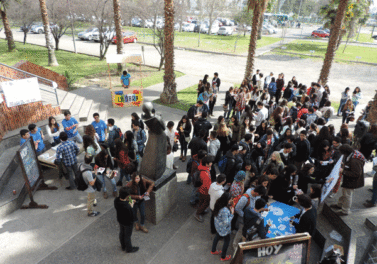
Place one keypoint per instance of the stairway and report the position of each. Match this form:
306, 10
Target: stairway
10, 172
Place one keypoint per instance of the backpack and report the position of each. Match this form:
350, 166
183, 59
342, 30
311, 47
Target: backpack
189, 165
222, 163
293, 113
326, 115
287, 93
196, 179
238, 198
119, 134
79, 180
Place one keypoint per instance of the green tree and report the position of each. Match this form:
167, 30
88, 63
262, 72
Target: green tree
8, 32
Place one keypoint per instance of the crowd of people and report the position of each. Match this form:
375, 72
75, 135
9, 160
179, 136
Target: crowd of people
274, 142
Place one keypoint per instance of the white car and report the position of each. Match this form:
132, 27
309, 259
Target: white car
188, 27
87, 34
214, 29
38, 28
225, 31
108, 35
271, 28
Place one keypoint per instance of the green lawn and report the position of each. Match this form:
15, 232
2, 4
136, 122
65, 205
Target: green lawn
207, 42
187, 97
78, 65
364, 37
304, 47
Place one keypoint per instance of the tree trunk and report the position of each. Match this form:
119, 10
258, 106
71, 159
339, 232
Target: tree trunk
331, 47
8, 31
352, 28
118, 30
253, 40
25, 36
57, 43
49, 43
169, 95
262, 19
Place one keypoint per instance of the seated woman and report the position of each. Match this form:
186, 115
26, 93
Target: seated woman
139, 188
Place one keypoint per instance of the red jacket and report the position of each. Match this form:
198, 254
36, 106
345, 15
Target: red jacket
301, 112
205, 176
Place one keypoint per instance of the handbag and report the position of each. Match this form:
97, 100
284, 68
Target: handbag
187, 139
175, 147
97, 185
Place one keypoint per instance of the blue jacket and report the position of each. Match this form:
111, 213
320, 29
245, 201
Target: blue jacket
140, 138
272, 88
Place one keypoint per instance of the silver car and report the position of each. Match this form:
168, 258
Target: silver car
87, 34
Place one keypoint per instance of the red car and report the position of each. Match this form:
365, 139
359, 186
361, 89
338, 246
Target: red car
128, 37
320, 33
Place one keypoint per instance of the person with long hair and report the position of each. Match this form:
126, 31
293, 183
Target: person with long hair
103, 160
368, 142
220, 120
90, 131
344, 97
279, 87
223, 213
91, 147
344, 136
356, 97
305, 177
347, 111
223, 137
135, 116
261, 129
276, 118
240, 103
274, 162
139, 188
131, 145
324, 134
235, 128
265, 99
254, 97
53, 131
324, 161
228, 105
288, 124
122, 159
205, 79
200, 88
184, 130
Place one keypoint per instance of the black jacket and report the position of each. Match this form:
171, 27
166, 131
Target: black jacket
186, 132
192, 110
250, 219
368, 143
302, 150
230, 168
218, 82
307, 222
196, 144
124, 212
202, 123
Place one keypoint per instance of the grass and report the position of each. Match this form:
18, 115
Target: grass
225, 44
303, 47
187, 97
78, 65
364, 37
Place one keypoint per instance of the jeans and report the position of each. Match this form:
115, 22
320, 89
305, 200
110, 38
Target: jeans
113, 182
124, 174
238, 115
345, 201
183, 147
345, 118
227, 114
125, 237
342, 103
76, 139
354, 105
225, 246
141, 206
72, 175
212, 222
194, 195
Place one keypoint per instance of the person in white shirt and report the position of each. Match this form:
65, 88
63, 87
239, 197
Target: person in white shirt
261, 115
215, 191
267, 80
327, 111
171, 133
170, 158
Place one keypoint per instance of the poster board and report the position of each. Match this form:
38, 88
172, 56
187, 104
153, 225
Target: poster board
20, 92
292, 249
331, 180
127, 97
29, 165
123, 58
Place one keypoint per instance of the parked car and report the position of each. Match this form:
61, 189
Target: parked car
324, 29
225, 31
87, 34
176, 26
375, 37
38, 28
214, 29
266, 30
128, 37
136, 22
188, 27
320, 33
109, 34
148, 23
271, 28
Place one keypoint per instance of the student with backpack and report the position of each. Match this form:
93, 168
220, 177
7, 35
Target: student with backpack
253, 228
114, 133
205, 178
85, 173
227, 164
215, 191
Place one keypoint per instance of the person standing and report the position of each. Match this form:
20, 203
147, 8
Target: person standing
344, 97
216, 80
267, 80
356, 96
261, 115
123, 206
255, 78
87, 174
125, 79
184, 130
215, 191
67, 152
205, 177
100, 127
114, 133
37, 135
353, 177
140, 137
302, 150
71, 125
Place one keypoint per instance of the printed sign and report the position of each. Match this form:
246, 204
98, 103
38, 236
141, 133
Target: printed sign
29, 162
123, 58
20, 92
127, 97
331, 180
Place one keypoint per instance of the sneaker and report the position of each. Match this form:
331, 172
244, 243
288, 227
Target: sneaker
94, 213
199, 218
105, 195
226, 258
119, 183
217, 252
134, 249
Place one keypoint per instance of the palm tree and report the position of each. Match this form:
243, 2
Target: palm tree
118, 30
8, 32
258, 6
334, 37
169, 95
49, 41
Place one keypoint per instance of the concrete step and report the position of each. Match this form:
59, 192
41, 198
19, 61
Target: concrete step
76, 105
66, 104
8, 165
85, 110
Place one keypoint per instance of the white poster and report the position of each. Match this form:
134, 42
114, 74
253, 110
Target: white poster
114, 58
331, 180
19, 92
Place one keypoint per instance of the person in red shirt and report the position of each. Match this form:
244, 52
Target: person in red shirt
205, 177
303, 110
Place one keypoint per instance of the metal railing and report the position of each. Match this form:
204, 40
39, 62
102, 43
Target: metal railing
23, 74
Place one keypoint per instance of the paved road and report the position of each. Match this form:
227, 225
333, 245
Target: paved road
231, 69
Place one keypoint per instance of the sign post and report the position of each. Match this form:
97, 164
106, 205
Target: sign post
31, 170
